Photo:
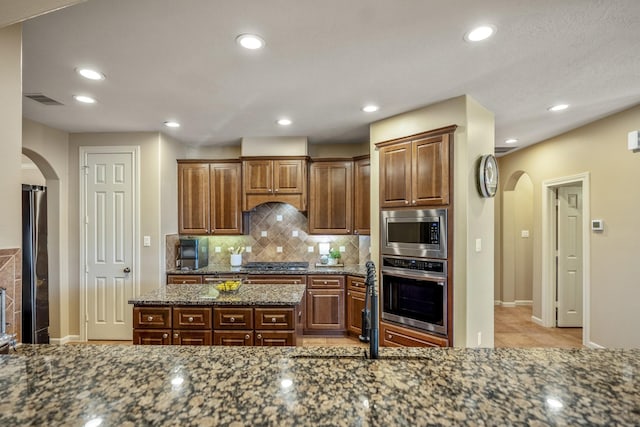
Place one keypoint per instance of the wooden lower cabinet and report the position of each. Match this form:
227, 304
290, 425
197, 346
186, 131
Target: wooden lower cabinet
152, 318
152, 336
237, 338
273, 279
275, 338
397, 336
232, 318
184, 279
325, 309
189, 337
355, 304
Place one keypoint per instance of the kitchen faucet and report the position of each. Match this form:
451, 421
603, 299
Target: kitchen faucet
370, 312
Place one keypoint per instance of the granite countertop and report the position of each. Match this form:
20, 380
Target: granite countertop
237, 386
353, 270
248, 294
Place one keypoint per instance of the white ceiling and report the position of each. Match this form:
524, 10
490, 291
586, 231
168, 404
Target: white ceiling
167, 59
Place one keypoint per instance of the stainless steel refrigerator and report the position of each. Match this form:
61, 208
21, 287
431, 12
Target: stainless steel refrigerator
35, 268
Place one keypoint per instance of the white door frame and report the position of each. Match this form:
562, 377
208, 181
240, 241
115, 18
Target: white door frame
135, 173
549, 250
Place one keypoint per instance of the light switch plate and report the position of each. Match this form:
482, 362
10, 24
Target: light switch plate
478, 245
147, 241
295, 233
263, 234
217, 249
279, 249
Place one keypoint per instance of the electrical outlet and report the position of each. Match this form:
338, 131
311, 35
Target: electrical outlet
478, 245
263, 234
217, 249
479, 339
524, 233
342, 249
310, 249
147, 241
247, 249
279, 249
278, 217
295, 233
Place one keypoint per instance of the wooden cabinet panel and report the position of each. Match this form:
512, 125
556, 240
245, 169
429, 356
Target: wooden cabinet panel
397, 336
232, 318
152, 317
226, 192
274, 279
189, 337
234, 338
330, 197
193, 198
152, 336
326, 281
430, 171
325, 309
395, 175
274, 318
184, 279
288, 176
355, 304
275, 338
258, 176
192, 318
362, 196
274, 180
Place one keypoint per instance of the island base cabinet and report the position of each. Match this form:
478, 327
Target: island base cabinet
325, 310
275, 338
152, 337
191, 337
397, 336
233, 338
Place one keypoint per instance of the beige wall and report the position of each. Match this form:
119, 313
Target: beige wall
473, 215
49, 149
213, 152
317, 151
10, 135
31, 175
599, 148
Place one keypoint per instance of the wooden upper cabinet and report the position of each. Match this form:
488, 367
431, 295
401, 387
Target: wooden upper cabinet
274, 180
330, 197
362, 196
193, 198
209, 196
414, 171
226, 193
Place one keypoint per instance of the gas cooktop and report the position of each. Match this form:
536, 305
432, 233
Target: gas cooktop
290, 265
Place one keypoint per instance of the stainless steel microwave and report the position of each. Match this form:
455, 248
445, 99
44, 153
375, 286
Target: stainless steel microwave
417, 233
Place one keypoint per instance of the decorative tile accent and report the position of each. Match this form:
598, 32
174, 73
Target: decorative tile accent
279, 233
11, 280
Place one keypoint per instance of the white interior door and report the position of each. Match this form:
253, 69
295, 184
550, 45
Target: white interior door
569, 290
109, 193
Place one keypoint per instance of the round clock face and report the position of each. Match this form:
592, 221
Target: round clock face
488, 175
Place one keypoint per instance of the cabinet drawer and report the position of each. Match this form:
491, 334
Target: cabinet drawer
188, 337
319, 282
221, 278
355, 284
152, 336
192, 318
237, 338
275, 318
233, 318
395, 336
269, 279
184, 279
152, 317
275, 338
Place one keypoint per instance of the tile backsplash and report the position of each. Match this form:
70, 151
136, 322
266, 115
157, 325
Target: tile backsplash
278, 232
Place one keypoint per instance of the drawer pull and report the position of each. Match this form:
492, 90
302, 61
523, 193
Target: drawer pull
259, 336
165, 335
149, 319
232, 320
246, 337
325, 282
176, 335
273, 320
190, 319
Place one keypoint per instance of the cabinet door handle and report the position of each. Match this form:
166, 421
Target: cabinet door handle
176, 335
325, 282
246, 337
165, 335
149, 319
413, 201
233, 319
190, 319
355, 232
276, 190
406, 202
259, 336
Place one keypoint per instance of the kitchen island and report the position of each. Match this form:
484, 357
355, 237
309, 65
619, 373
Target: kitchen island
151, 385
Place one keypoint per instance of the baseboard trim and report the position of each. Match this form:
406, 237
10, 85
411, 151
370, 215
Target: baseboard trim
591, 344
537, 320
508, 304
64, 340
497, 302
524, 302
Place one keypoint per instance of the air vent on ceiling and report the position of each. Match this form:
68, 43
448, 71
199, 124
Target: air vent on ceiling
43, 99
503, 150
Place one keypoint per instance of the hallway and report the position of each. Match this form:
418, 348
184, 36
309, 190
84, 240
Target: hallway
514, 328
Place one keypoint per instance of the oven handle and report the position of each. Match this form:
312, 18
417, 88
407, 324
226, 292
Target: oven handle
420, 276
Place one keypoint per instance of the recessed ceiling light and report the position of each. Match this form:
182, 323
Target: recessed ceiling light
370, 108
172, 124
559, 107
284, 122
250, 41
90, 74
510, 141
480, 33
84, 99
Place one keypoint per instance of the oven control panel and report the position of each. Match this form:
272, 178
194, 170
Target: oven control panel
419, 264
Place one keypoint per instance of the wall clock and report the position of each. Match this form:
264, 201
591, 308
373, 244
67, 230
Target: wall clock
487, 175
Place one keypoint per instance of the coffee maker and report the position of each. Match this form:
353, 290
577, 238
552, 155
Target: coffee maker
193, 253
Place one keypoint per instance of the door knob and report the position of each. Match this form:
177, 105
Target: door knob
127, 270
